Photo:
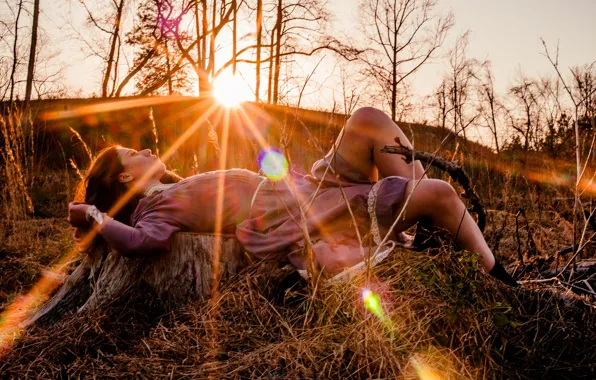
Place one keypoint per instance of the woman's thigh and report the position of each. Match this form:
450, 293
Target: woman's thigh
424, 199
360, 141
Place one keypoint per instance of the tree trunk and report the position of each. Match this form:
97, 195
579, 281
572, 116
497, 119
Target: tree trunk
199, 38
108, 73
168, 69
32, 51
394, 78
204, 85
205, 23
271, 63
277, 52
234, 37
259, 31
186, 270
494, 120
116, 64
270, 76
14, 52
212, 41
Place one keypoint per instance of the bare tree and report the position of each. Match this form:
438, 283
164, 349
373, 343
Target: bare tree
259, 36
553, 115
23, 75
234, 36
524, 118
300, 29
185, 34
157, 62
458, 82
578, 99
489, 105
32, 54
279, 24
105, 18
114, 44
350, 93
403, 35
272, 45
584, 88
204, 63
441, 100
15, 57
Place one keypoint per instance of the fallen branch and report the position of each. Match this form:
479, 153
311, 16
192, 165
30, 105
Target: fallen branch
456, 172
582, 267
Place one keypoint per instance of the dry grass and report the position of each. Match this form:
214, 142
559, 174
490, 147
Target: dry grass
27, 247
17, 150
442, 315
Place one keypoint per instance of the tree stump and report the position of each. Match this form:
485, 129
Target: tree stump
186, 270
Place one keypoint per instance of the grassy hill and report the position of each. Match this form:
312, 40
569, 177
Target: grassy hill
441, 316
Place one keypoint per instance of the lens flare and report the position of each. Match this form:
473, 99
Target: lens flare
273, 164
424, 371
372, 302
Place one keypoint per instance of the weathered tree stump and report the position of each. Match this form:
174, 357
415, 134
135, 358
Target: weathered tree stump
188, 269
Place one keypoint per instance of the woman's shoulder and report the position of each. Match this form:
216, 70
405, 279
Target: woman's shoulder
174, 197
161, 204
233, 174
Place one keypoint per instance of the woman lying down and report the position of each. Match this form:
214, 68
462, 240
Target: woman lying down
265, 215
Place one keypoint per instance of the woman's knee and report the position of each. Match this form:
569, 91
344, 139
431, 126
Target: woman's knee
367, 116
437, 195
367, 121
445, 196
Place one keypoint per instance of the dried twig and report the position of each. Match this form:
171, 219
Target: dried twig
519, 253
499, 235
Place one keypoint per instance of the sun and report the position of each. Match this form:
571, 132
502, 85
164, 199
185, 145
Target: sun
231, 90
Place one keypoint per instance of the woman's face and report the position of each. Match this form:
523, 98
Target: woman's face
139, 163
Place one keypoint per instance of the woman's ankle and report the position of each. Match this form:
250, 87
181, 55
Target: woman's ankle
501, 274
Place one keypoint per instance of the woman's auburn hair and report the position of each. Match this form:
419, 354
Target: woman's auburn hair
102, 188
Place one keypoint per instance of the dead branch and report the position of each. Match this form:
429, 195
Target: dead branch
456, 172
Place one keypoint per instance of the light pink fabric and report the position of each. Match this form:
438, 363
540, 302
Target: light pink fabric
273, 230
270, 230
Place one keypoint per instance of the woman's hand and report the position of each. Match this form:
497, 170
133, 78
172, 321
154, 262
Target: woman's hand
77, 234
77, 214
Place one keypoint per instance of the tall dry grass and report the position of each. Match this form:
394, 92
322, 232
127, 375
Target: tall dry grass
442, 317
17, 155
33, 199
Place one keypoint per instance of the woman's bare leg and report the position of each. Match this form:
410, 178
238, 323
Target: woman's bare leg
359, 143
436, 200
365, 133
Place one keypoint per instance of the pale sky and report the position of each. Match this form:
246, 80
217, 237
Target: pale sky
506, 32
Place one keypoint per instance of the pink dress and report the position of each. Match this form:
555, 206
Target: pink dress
265, 215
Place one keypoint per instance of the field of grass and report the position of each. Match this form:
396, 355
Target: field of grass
442, 317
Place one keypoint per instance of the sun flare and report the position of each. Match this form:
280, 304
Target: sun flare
231, 90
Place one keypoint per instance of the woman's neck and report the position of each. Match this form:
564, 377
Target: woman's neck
141, 188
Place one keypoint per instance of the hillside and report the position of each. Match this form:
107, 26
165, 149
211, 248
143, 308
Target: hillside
441, 316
